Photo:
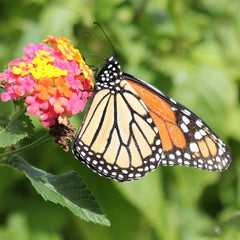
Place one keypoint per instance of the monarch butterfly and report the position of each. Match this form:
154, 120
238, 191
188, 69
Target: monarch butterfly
130, 128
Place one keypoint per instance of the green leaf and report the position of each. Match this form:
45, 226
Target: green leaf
14, 130
66, 189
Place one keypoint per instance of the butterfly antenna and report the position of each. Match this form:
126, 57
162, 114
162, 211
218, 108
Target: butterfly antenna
94, 55
105, 35
99, 41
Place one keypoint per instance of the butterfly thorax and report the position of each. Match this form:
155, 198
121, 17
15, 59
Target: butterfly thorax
110, 75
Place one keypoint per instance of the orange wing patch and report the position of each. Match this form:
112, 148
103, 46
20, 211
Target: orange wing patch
163, 117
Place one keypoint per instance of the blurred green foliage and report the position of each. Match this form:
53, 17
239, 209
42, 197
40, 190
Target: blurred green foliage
188, 49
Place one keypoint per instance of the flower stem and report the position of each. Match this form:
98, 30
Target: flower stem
40, 140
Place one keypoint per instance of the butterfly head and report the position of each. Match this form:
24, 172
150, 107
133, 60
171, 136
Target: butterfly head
109, 75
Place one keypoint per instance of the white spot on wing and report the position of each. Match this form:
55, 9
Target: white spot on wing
197, 136
199, 123
184, 127
220, 151
149, 120
187, 155
203, 133
194, 147
185, 120
180, 161
210, 162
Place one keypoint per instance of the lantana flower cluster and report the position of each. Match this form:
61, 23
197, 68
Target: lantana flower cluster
52, 77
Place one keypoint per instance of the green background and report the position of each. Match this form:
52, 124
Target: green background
188, 49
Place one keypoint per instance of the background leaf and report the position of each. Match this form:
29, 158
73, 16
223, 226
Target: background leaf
67, 189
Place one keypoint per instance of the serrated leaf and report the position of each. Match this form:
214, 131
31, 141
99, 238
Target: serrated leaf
67, 189
14, 130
